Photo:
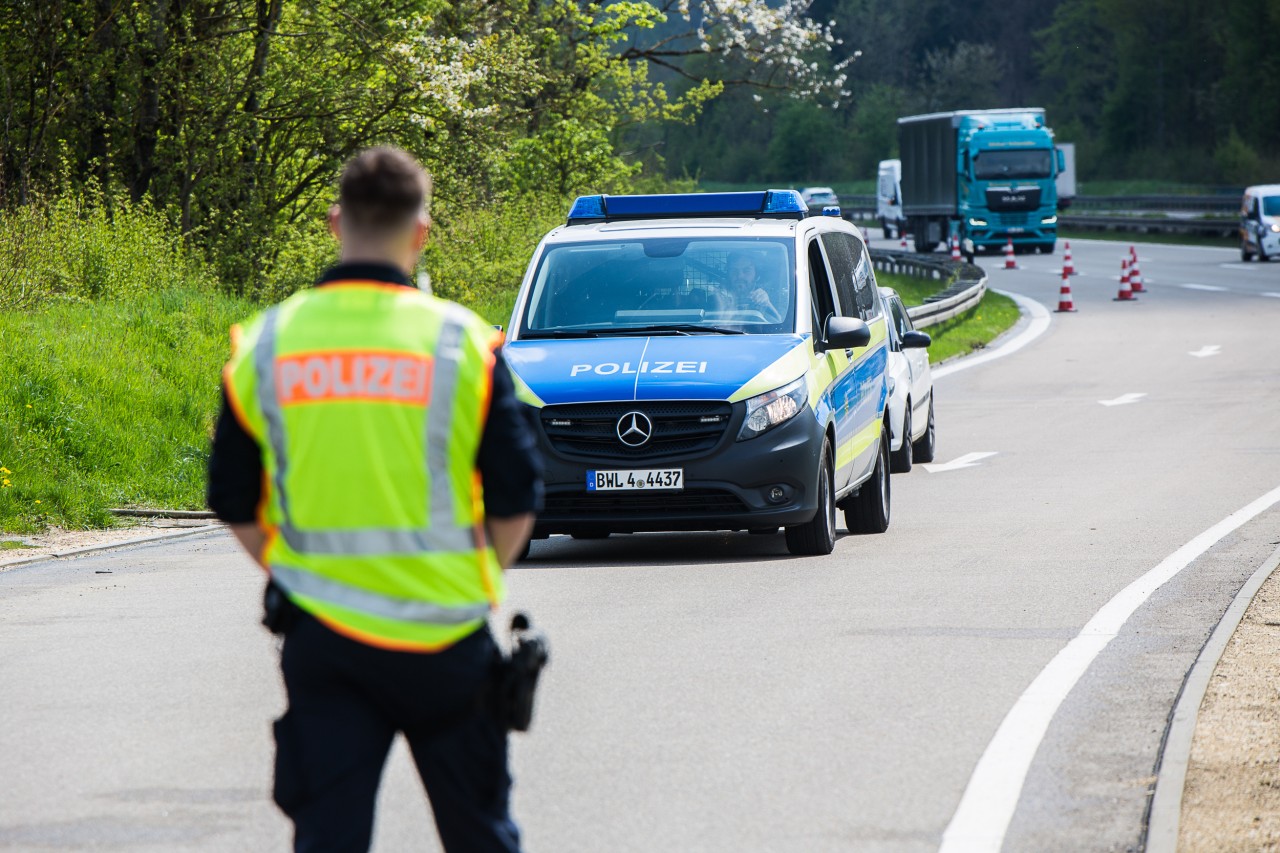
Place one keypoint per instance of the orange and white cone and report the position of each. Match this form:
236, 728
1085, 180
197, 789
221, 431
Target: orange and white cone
903, 245
1065, 302
1135, 274
1126, 292
1068, 268
955, 247
1009, 262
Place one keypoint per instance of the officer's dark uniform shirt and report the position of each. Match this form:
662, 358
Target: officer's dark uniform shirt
507, 459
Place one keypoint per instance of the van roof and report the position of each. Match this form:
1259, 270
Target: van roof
1263, 189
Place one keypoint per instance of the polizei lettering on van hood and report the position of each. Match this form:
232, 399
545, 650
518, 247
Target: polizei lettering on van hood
678, 367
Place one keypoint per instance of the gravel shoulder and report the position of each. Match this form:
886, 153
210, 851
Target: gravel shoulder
1231, 802
56, 542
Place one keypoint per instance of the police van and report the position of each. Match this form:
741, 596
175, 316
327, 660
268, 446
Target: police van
709, 361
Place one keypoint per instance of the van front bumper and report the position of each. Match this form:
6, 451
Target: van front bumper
728, 487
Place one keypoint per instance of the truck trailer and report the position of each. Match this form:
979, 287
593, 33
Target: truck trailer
986, 176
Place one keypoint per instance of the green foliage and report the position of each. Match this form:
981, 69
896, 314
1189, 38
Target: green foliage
1237, 161
973, 329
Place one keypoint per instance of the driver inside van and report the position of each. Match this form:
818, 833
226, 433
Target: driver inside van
746, 287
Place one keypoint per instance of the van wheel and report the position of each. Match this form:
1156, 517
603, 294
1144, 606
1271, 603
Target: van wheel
900, 459
924, 446
817, 536
869, 511
1263, 257
1245, 254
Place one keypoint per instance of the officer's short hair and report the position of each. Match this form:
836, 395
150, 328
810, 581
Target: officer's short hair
383, 190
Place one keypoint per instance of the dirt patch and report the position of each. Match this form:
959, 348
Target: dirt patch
1231, 802
58, 542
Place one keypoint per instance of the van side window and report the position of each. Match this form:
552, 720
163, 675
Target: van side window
820, 288
841, 257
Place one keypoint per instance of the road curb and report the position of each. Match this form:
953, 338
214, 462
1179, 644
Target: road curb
1171, 773
125, 543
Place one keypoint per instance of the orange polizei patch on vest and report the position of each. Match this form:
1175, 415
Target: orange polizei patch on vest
373, 376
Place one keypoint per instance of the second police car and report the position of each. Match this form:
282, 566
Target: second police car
711, 361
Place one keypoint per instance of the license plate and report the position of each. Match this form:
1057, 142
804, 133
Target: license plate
650, 478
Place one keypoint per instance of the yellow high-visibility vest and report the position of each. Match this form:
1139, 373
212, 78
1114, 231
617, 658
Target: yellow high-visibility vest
368, 401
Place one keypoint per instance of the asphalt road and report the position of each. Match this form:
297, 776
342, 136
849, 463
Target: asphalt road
709, 692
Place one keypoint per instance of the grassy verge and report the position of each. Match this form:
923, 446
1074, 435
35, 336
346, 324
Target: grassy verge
109, 404
972, 330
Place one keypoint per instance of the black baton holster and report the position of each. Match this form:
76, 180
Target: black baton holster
279, 614
515, 675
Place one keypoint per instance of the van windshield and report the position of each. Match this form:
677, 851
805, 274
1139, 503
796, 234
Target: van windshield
666, 285
1271, 205
1003, 165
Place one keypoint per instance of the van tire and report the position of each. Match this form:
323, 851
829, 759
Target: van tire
868, 512
818, 535
924, 446
1245, 254
900, 459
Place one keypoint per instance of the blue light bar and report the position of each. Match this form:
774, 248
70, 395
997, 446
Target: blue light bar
587, 207
831, 210
773, 204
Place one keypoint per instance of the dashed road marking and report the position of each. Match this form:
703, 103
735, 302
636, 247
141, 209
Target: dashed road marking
1212, 288
1124, 399
1206, 351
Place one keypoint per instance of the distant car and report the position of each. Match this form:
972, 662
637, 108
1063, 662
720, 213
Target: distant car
1260, 222
910, 388
819, 197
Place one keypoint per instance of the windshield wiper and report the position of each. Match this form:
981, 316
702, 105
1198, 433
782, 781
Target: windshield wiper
560, 333
672, 329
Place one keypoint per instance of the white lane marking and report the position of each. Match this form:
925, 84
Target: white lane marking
1156, 246
1213, 288
969, 460
1272, 295
1206, 351
1123, 399
1038, 326
1239, 265
982, 818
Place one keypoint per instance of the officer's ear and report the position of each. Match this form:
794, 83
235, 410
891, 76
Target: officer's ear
335, 221
421, 228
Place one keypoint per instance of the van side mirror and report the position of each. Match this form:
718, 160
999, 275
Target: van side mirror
916, 340
846, 333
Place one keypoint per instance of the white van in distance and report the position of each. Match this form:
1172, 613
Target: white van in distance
1260, 222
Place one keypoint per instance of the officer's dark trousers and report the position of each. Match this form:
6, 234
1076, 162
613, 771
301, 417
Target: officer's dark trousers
347, 700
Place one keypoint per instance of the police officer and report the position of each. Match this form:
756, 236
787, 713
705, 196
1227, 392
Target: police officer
372, 457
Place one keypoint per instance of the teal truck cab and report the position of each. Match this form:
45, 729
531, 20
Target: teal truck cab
986, 176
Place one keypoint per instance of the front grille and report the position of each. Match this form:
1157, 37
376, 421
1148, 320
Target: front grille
1008, 219
701, 501
680, 428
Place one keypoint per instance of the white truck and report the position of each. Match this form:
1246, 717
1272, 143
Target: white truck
889, 199
1066, 178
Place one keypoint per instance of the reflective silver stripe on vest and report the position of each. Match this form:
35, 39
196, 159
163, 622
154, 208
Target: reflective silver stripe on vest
372, 542
444, 383
324, 589
264, 363
443, 535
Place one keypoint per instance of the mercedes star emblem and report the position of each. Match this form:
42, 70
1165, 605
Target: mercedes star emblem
634, 429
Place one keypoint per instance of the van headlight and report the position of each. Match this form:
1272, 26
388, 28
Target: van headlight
1275, 226
774, 408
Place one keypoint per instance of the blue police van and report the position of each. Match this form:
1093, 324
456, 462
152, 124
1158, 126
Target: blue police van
709, 361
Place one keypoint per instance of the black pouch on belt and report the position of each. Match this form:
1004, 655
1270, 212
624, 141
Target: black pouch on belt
516, 675
278, 613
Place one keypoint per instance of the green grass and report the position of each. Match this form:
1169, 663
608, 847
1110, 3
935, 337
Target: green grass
109, 404
973, 329
13, 545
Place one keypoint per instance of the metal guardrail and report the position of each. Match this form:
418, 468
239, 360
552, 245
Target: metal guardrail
968, 283
1224, 203
1152, 225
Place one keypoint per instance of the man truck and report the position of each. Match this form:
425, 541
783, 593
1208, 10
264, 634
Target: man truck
986, 176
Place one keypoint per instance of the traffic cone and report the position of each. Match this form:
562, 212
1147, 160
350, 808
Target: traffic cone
955, 247
1135, 274
1064, 292
1009, 262
903, 246
1068, 268
1126, 293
